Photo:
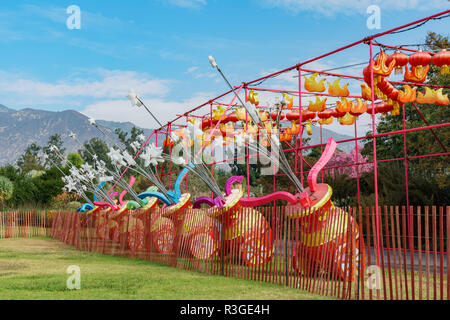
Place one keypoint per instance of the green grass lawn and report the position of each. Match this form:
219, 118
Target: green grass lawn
36, 269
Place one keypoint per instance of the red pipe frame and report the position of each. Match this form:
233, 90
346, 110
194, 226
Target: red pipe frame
299, 140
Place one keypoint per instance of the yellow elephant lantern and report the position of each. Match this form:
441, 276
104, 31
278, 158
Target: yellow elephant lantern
317, 106
335, 90
312, 85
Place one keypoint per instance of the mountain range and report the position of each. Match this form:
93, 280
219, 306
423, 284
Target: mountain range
20, 128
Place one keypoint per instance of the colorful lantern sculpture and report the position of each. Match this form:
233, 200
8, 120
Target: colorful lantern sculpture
335, 90
312, 85
343, 106
274, 116
347, 119
401, 59
415, 76
442, 60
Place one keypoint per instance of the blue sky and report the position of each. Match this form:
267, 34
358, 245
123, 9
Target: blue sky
160, 48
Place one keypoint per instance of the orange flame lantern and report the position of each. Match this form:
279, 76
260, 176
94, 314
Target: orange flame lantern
347, 119
366, 93
441, 99
168, 143
289, 99
415, 76
428, 98
309, 127
253, 98
312, 85
380, 66
335, 90
343, 106
419, 60
401, 59
285, 136
359, 108
408, 95
442, 60
317, 106
326, 120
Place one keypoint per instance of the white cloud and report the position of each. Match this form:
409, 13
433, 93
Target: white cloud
191, 69
108, 84
330, 7
164, 110
187, 3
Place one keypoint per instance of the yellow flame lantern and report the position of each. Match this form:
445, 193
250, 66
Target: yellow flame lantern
441, 99
309, 127
217, 113
318, 106
380, 67
326, 120
408, 95
241, 114
428, 98
335, 90
253, 98
312, 85
358, 108
289, 99
347, 120
344, 105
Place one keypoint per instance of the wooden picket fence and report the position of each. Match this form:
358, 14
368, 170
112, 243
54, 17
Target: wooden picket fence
23, 224
406, 259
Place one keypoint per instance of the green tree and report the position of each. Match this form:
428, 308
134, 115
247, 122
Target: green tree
53, 159
97, 147
76, 159
6, 190
30, 159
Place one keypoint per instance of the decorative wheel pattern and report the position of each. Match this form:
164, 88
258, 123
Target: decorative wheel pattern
164, 236
136, 236
203, 245
258, 249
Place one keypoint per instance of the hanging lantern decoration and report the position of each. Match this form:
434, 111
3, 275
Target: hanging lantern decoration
442, 60
358, 108
338, 114
232, 117
381, 67
312, 85
241, 114
293, 116
263, 115
419, 60
289, 100
400, 58
347, 119
218, 112
318, 105
395, 109
285, 136
428, 98
307, 115
380, 107
274, 116
253, 98
326, 114
226, 129
441, 99
411, 76
366, 92
309, 127
335, 90
168, 143
326, 120
343, 105
295, 129
408, 95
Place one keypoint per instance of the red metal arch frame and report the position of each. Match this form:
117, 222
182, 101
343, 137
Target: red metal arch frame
299, 148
